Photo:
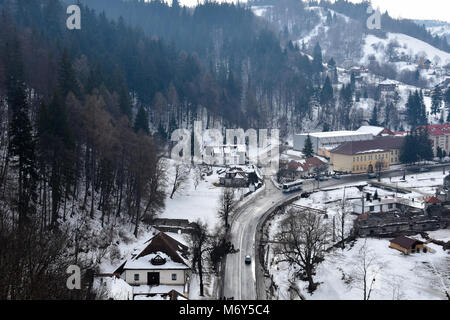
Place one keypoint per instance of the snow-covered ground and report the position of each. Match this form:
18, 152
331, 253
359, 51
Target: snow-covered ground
417, 276
421, 276
189, 203
197, 203
426, 182
408, 46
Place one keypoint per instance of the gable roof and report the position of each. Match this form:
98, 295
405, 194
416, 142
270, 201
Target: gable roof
439, 129
432, 199
376, 131
378, 144
406, 242
166, 244
311, 163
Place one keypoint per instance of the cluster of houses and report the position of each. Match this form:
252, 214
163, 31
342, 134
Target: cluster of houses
363, 150
368, 149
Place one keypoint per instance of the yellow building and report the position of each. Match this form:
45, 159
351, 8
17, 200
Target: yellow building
366, 156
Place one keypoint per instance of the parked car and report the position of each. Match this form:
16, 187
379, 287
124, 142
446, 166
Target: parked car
372, 175
305, 195
248, 260
336, 177
423, 169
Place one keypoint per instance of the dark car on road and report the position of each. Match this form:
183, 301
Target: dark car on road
248, 260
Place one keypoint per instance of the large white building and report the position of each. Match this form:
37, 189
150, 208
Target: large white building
325, 141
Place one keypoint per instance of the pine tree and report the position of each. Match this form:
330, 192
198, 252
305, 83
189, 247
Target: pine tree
67, 81
447, 103
141, 122
436, 100
326, 95
21, 148
374, 119
408, 151
317, 59
308, 148
424, 149
352, 81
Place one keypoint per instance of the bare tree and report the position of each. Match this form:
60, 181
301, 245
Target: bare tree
181, 177
342, 215
226, 205
302, 238
197, 176
366, 269
199, 237
379, 165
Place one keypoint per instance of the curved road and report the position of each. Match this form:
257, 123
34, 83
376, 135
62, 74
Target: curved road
240, 279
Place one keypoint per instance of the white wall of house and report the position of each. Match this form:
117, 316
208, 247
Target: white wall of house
165, 276
373, 207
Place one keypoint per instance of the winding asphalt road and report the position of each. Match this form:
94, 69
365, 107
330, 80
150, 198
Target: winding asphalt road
240, 279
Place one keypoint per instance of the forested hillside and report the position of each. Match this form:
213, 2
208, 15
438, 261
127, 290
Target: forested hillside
84, 116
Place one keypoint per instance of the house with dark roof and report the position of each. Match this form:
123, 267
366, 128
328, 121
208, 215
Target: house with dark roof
424, 64
160, 267
367, 156
407, 245
303, 168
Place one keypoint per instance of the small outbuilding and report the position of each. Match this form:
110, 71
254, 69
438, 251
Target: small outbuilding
407, 245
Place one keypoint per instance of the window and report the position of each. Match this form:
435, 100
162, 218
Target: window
390, 205
371, 208
174, 276
136, 277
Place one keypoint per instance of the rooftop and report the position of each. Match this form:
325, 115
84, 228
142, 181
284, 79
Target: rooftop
378, 144
375, 130
406, 242
164, 247
439, 129
330, 134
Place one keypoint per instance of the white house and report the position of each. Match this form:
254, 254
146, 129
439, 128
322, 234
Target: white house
159, 268
385, 204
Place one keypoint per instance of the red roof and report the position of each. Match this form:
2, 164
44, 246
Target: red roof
432, 199
311, 163
439, 129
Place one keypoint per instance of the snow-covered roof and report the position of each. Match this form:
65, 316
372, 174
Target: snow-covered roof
162, 252
332, 134
145, 263
371, 129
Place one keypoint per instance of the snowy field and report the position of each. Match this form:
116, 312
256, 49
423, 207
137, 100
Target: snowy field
408, 46
423, 183
201, 203
422, 276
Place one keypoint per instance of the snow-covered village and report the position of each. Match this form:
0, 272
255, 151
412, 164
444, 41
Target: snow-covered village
224, 150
